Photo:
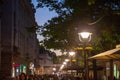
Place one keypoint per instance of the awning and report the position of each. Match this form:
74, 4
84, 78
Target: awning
76, 67
73, 67
110, 54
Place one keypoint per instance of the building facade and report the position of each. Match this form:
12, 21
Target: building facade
0, 32
19, 46
45, 61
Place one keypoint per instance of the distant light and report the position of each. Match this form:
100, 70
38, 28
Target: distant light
66, 60
61, 67
64, 63
71, 53
17, 70
54, 69
24, 67
32, 65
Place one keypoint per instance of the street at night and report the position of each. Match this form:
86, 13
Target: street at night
59, 40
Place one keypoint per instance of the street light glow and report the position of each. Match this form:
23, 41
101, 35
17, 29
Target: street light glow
66, 60
71, 53
64, 63
54, 69
84, 36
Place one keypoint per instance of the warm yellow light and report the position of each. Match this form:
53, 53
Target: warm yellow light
74, 60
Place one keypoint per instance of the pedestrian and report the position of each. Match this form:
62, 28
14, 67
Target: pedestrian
104, 77
114, 78
30, 77
90, 77
4, 78
77, 78
22, 76
35, 78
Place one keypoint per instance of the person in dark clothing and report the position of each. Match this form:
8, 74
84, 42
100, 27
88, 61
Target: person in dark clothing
22, 76
114, 78
30, 77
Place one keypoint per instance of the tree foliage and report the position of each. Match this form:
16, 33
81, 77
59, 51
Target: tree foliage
101, 17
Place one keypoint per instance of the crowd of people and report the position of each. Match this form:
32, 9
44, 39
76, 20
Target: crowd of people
24, 76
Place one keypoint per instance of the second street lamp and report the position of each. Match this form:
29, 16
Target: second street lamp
85, 37
71, 55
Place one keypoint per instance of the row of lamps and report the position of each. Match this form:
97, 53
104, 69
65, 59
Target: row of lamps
84, 37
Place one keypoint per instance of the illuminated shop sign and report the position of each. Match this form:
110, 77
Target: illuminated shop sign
16, 65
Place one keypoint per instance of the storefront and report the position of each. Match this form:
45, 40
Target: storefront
113, 62
117, 70
17, 69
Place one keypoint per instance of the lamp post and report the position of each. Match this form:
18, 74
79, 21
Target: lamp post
85, 37
71, 55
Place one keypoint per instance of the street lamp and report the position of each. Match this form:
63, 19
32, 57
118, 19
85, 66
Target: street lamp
85, 37
71, 55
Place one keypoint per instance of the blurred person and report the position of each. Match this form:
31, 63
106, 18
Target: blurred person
77, 78
104, 77
7, 77
35, 78
30, 77
114, 78
4, 78
90, 77
22, 76
17, 78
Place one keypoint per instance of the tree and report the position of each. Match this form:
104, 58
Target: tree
97, 16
